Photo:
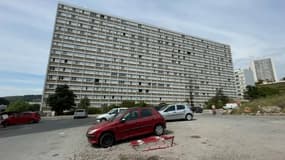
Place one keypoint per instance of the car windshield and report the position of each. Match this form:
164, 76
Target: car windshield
113, 111
164, 107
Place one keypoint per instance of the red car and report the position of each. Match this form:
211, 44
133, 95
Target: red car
19, 118
131, 123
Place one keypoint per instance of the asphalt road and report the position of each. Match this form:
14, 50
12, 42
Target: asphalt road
45, 125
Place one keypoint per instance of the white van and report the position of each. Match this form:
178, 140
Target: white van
230, 106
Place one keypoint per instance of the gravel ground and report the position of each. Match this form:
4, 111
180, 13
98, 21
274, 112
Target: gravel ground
207, 137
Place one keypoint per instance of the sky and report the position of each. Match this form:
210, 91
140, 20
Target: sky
253, 28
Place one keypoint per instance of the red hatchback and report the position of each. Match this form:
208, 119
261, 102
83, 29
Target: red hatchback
131, 123
20, 118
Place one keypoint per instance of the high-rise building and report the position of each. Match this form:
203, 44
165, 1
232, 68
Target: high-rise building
243, 78
264, 70
110, 59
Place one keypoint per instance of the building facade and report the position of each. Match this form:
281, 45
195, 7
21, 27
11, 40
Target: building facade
264, 70
243, 78
110, 59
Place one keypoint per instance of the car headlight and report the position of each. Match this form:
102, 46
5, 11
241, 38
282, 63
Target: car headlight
92, 131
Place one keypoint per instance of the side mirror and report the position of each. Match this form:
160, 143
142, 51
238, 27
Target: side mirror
123, 120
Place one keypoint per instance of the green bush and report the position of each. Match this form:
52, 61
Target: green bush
94, 110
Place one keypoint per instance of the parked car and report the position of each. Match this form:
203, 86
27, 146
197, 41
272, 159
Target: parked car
109, 115
196, 109
80, 113
177, 111
131, 123
19, 118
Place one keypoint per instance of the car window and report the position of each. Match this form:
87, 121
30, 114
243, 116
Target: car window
171, 108
180, 107
123, 110
132, 115
80, 110
26, 114
113, 111
146, 112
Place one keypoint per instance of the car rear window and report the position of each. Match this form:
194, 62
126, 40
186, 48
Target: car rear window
180, 107
146, 112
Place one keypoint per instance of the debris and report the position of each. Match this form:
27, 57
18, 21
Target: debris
153, 143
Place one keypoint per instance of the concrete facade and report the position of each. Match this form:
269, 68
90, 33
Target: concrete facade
264, 70
243, 78
110, 59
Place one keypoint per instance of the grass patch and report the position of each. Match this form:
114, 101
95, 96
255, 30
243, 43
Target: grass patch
254, 106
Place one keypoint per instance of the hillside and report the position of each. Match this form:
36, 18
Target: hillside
279, 86
28, 98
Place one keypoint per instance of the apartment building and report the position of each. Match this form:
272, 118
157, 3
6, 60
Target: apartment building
243, 78
264, 70
111, 59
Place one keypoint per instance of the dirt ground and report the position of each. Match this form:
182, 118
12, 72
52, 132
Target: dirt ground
207, 137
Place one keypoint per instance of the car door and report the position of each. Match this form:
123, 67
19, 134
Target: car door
14, 118
180, 111
145, 121
129, 125
169, 112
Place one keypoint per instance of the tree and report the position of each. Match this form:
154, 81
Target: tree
4, 101
253, 92
62, 99
18, 106
141, 104
84, 103
128, 104
219, 100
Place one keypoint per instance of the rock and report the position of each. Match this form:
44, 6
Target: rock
270, 109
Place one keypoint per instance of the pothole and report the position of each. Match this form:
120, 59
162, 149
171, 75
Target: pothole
195, 136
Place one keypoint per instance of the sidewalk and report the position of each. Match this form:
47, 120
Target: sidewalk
63, 117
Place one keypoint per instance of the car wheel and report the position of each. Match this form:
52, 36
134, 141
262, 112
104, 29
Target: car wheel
4, 124
107, 140
189, 117
103, 120
158, 130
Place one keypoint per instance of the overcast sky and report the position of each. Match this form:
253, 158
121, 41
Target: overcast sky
253, 28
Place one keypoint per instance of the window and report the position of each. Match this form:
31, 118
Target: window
169, 109
146, 112
132, 115
180, 107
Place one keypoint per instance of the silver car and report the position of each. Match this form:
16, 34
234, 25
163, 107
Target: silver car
109, 115
177, 111
80, 113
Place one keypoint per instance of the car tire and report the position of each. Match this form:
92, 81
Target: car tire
158, 130
103, 119
106, 140
189, 117
4, 124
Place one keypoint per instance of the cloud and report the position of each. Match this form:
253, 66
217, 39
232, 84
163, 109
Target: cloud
13, 91
254, 29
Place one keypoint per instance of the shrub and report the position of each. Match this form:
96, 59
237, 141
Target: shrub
94, 110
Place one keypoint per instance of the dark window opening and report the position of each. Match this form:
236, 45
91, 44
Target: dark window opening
140, 90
